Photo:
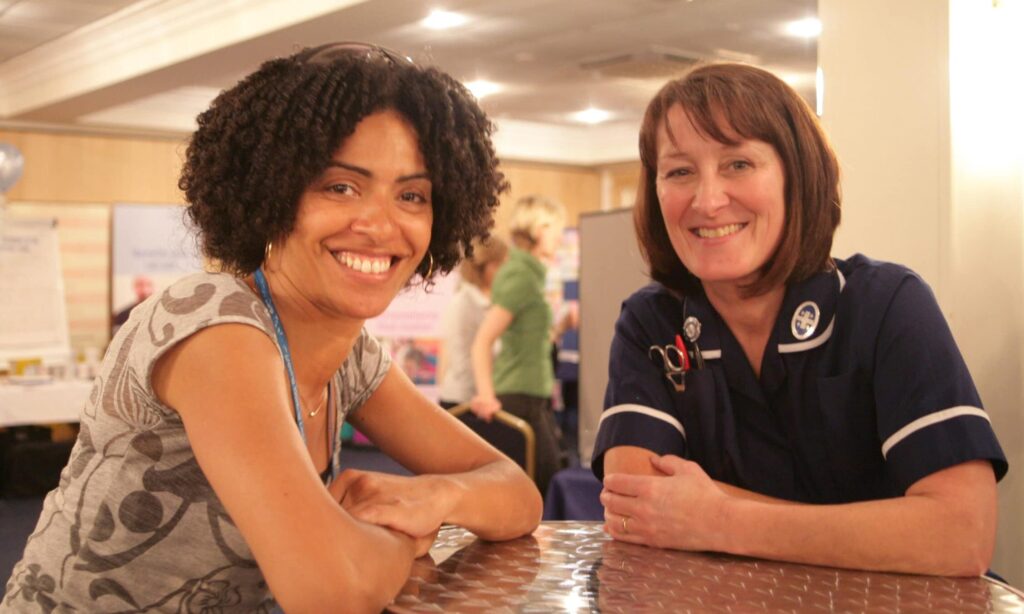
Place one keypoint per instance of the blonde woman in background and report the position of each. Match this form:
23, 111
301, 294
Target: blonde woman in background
463, 316
520, 380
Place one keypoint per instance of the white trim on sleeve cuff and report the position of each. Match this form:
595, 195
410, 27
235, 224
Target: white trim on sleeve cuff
657, 414
929, 420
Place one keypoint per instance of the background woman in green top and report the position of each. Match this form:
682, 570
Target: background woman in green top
520, 379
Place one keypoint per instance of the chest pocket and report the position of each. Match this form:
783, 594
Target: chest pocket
707, 416
848, 412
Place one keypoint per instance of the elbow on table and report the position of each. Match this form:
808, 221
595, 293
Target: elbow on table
974, 558
351, 587
969, 564
532, 505
533, 510
520, 519
967, 552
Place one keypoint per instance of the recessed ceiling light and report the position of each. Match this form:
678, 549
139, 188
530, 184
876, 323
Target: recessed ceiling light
804, 28
442, 20
592, 116
481, 87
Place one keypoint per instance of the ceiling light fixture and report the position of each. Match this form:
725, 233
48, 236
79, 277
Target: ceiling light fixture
804, 28
592, 115
443, 20
481, 88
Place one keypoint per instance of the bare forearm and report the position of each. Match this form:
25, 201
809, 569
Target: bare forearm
496, 501
742, 493
483, 369
361, 572
944, 524
913, 534
392, 556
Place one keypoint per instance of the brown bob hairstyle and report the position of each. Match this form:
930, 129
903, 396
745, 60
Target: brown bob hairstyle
727, 102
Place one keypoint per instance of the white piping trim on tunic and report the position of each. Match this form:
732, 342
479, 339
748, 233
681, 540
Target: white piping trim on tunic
929, 420
647, 411
802, 346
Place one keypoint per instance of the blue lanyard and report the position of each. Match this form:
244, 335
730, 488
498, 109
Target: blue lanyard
286, 354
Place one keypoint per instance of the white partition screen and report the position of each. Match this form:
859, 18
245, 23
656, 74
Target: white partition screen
610, 270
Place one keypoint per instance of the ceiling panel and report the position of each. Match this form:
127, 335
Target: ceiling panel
540, 51
26, 24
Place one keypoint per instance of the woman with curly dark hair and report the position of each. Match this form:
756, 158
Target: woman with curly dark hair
207, 471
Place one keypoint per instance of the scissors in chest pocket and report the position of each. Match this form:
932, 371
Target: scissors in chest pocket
674, 360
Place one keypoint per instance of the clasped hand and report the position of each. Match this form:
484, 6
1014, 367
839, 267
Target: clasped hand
680, 508
412, 505
484, 407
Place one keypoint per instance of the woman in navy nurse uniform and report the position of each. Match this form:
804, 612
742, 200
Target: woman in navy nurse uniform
768, 400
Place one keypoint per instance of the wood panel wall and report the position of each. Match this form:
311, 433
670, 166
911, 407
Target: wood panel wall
624, 179
577, 188
77, 178
75, 168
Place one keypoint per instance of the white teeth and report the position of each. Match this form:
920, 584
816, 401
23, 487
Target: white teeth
721, 231
364, 264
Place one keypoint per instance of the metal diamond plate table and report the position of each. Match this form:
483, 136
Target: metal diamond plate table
576, 567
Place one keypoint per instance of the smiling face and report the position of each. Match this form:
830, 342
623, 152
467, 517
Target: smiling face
723, 205
363, 225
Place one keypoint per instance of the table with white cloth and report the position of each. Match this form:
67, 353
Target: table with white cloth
42, 403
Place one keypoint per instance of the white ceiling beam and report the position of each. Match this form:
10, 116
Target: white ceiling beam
145, 37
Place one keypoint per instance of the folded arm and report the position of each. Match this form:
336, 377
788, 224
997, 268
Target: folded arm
226, 383
943, 525
463, 480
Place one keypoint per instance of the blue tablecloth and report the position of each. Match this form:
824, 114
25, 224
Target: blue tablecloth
574, 494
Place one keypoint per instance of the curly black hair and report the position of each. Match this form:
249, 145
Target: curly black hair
262, 142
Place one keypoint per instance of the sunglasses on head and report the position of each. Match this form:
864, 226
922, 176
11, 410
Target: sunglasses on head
332, 51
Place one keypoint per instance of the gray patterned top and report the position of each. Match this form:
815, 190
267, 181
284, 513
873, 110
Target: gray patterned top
134, 526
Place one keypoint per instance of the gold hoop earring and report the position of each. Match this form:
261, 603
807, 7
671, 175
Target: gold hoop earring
430, 269
267, 251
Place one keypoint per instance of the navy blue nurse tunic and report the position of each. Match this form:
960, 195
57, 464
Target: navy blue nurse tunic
874, 399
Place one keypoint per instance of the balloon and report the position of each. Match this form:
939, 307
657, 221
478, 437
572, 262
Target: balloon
11, 165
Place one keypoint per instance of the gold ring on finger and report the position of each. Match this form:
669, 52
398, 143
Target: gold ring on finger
625, 529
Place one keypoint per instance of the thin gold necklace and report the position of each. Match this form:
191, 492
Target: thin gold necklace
323, 402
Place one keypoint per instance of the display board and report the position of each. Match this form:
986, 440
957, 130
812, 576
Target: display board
33, 317
151, 247
611, 269
410, 330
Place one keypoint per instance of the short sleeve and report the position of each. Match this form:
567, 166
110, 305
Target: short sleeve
928, 410
512, 288
362, 373
640, 409
189, 305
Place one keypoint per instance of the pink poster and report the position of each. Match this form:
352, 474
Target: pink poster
410, 330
